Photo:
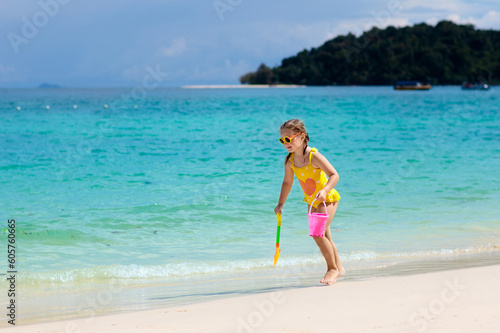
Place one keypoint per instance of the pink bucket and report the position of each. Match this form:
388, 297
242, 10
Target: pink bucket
317, 222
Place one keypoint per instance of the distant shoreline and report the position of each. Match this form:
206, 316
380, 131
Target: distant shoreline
230, 86
251, 86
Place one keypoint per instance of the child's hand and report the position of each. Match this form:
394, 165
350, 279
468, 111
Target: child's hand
278, 208
321, 195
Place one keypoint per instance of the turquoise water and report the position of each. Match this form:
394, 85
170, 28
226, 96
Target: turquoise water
183, 182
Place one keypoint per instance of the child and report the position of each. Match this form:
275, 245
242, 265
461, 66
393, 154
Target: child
311, 169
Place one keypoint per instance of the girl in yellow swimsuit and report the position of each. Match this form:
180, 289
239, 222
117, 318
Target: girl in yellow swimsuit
317, 177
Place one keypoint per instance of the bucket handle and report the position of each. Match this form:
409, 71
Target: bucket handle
310, 207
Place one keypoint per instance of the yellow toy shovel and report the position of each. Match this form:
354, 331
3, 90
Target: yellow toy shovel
277, 253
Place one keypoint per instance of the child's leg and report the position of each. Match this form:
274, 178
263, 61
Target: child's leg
328, 248
332, 208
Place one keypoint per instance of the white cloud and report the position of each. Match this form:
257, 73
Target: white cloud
452, 10
177, 47
491, 20
432, 21
478, 13
457, 19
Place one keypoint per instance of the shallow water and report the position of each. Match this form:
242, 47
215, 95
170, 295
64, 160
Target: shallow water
183, 182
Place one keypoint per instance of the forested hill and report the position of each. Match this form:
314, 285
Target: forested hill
443, 54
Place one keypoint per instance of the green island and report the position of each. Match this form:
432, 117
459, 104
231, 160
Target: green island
444, 54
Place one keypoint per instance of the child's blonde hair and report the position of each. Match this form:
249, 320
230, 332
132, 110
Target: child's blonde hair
296, 126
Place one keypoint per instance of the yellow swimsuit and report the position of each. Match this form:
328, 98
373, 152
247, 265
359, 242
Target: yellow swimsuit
312, 181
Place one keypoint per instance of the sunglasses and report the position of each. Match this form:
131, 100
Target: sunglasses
286, 139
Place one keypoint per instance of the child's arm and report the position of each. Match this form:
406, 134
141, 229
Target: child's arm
285, 187
319, 161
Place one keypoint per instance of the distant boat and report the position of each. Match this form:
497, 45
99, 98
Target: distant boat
475, 86
411, 85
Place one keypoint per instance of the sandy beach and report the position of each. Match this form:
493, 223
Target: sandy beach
463, 300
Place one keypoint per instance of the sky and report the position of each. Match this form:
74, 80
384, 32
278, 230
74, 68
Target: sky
122, 43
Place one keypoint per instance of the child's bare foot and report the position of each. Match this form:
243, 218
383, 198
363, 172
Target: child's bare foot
341, 271
330, 276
